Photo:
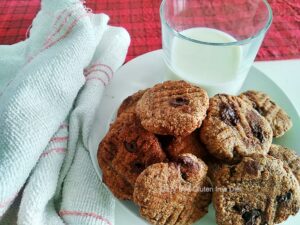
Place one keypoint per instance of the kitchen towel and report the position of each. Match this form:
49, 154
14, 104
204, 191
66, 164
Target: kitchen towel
50, 87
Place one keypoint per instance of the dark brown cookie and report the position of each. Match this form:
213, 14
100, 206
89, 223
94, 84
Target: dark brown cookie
173, 108
288, 156
258, 190
189, 144
129, 103
173, 193
276, 116
125, 152
234, 129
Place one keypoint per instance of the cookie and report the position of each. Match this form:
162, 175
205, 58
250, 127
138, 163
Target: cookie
189, 144
288, 156
125, 152
276, 116
234, 129
258, 190
129, 103
173, 193
174, 108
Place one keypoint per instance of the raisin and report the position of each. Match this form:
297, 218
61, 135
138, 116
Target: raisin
131, 146
179, 101
284, 198
257, 108
251, 216
252, 167
228, 114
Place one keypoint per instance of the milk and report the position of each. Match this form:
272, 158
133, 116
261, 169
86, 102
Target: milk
215, 68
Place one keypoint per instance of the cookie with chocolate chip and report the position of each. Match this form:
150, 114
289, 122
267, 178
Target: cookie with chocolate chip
189, 144
258, 190
234, 129
275, 115
129, 103
288, 156
126, 150
173, 108
173, 193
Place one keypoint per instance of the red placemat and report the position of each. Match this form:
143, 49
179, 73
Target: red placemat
141, 19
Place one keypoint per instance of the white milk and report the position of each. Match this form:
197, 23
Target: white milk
215, 68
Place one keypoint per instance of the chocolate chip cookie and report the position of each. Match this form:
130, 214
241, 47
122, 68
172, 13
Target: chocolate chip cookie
258, 190
234, 129
129, 103
189, 144
288, 156
125, 152
276, 116
173, 193
173, 108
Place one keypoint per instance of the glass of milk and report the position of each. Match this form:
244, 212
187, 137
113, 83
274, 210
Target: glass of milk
213, 43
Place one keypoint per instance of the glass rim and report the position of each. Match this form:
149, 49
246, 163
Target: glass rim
241, 42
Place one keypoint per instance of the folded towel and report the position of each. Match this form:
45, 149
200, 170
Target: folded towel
50, 87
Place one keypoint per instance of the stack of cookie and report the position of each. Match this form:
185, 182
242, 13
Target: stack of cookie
172, 149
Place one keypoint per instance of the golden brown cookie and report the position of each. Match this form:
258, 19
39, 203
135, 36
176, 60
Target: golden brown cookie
126, 150
276, 116
173, 193
173, 108
259, 190
288, 156
234, 129
189, 144
129, 103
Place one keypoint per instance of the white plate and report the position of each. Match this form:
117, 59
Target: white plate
149, 69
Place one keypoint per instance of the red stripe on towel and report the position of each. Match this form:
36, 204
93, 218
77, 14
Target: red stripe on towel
57, 150
59, 139
84, 214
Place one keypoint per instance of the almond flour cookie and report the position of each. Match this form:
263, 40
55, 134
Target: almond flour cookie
129, 103
276, 116
173, 193
189, 144
259, 190
288, 156
125, 152
234, 129
173, 108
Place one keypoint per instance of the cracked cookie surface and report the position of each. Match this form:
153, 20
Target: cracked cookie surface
126, 150
233, 129
262, 191
275, 115
173, 193
174, 108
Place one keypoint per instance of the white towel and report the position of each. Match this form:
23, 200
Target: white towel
50, 87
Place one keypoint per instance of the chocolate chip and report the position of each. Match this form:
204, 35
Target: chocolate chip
284, 198
251, 216
187, 162
131, 146
184, 176
138, 167
257, 131
228, 114
252, 167
179, 101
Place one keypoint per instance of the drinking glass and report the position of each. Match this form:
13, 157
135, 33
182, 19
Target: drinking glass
213, 43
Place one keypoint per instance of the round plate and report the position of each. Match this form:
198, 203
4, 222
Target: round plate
144, 72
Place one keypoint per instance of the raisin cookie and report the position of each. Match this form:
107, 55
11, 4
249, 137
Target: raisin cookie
276, 116
129, 103
173, 193
288, 156
234, 129
258, 190
173, 108
126, 150
189, 144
